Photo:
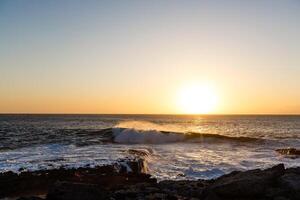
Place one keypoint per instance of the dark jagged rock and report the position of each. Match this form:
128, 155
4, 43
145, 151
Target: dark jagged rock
123, 172
135, 166
291, 183
76, 191
245, 184
143, 191
116, 183
30, 198
184, 188
290, 152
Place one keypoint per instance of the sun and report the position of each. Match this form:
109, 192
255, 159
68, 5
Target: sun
197, 99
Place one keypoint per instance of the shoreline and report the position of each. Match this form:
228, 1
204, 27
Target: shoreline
128, 179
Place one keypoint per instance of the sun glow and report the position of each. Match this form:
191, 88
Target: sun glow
197, 99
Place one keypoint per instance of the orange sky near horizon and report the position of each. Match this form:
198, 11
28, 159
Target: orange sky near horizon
133, 57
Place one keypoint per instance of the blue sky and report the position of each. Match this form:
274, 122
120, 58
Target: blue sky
132, 56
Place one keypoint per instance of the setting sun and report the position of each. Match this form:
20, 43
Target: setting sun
197, 99
132, 94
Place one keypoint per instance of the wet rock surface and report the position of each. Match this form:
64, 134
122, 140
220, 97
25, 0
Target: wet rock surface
38, 182
292, 153
116, 182
74, 191
251, 183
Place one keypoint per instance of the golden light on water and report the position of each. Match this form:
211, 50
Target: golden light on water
196, 98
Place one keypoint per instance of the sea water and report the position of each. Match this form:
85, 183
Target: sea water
200, 146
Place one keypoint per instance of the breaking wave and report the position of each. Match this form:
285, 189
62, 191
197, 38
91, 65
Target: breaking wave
136, 136
149, 126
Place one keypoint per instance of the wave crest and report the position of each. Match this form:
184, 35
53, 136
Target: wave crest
149, 126
135, 136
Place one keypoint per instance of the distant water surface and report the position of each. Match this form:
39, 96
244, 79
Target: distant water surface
208, 146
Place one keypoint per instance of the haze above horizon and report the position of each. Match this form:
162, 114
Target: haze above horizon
131, 57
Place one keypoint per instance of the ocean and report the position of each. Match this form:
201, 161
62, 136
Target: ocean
199, 146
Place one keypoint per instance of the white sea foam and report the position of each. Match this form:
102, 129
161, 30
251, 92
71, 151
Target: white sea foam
134, 136
148, 126
125, 164
226, 143
168, 161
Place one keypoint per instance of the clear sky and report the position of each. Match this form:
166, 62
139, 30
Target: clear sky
133, 56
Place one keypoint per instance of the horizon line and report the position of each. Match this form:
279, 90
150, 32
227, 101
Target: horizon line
216, 114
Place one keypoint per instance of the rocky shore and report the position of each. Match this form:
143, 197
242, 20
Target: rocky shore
127, 179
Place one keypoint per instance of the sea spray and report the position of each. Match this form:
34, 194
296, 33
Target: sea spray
147, 126
212, 144
134, 136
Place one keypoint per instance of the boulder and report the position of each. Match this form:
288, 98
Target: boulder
105, 183
245, 184
76, 191
160, 196
211, 196
135, 166
292, 153
30, 198
184, 187
295, 170
123, 172
291, 183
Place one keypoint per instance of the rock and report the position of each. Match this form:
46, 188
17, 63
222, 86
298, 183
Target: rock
290, 152
245, 184
273, 192
136, 191
275, 183
184, 187
295, 170
144, 191
76, 191
30, 198
135, 166
128, 193
211, 196
291, 182
13, 184
280, 198
160, 196
139, 152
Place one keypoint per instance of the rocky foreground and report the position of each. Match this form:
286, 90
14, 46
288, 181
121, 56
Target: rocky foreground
128, 180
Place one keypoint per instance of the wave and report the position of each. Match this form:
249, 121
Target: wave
149, 126
219, 137
135, 136
88, 137
143, 153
